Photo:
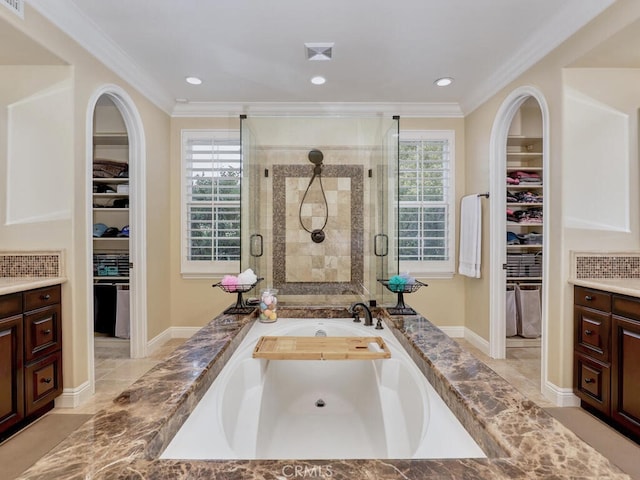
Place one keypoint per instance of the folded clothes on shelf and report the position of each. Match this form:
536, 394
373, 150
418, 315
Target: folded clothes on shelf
531, 215
524, 197
523, 176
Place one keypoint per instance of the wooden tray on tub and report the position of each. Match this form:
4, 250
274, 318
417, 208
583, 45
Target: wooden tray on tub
321, 348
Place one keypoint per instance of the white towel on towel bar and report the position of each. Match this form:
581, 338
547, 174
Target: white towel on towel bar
470, 236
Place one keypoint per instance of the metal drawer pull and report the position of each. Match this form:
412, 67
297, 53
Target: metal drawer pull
46, 332
588, 298
589, 380
46, 380
45, 297
588, 332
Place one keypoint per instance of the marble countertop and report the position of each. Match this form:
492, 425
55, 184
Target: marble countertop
20, 284
520, 439
623, 286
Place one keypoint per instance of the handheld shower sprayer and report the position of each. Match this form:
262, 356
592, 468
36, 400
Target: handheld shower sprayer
316, 157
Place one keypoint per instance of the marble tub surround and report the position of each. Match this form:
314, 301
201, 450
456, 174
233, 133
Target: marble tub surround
125, 439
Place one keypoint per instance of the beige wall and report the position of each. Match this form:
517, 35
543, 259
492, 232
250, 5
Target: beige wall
547, 77
194, 302
71, 235
443, 301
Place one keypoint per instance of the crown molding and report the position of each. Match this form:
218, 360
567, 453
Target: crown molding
554, 32
300, 109
65, 15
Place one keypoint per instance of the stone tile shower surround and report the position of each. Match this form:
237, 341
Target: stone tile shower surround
300, 266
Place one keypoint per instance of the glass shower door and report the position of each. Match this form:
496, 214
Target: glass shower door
252, 251
385, 251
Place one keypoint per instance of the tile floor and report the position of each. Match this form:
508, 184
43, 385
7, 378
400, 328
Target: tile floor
521, 369
115, 371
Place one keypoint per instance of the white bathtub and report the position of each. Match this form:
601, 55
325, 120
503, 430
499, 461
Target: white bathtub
269, 409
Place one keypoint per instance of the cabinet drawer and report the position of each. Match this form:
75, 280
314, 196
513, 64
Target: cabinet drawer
42, 332
588, 297
43, 382
592, 382
626, 307
592, 332
10, 305
42, 297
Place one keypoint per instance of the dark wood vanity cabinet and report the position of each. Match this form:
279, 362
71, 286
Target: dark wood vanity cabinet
607, 355
625, 372
11, 354
30, 354
592, 356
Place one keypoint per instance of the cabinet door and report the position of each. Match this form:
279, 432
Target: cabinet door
625, 382
11, 373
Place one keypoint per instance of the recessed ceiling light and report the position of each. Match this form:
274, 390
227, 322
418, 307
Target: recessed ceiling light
444, 81
318, 80
193, 80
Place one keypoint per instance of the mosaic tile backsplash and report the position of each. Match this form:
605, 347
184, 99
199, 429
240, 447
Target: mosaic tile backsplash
607, 266
32, 264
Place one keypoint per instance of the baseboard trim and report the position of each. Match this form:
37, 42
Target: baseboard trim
171, 332
476, 340
74, 397
453, 332
561, 397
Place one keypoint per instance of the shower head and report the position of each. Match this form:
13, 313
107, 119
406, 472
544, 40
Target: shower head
316, 157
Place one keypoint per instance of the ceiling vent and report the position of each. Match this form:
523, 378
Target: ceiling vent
319, 51
16, 6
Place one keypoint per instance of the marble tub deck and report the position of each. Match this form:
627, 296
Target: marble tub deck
124, 440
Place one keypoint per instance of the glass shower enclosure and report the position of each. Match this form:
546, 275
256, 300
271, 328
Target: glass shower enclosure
318, 212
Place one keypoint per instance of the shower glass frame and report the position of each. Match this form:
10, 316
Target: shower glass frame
359, 152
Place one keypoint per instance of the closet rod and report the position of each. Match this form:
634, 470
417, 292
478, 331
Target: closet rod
484, 194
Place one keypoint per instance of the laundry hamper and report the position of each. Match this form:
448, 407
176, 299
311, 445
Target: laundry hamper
511, 313
529, 311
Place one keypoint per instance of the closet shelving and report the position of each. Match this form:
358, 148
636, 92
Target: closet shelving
110, 207
524, 154
524, 201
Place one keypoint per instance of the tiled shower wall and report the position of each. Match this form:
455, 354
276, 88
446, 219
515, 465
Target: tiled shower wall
301, 269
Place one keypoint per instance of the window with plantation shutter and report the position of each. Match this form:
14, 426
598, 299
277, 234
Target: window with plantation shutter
211, 166
426, 208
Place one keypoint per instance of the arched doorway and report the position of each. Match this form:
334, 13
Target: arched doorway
500, 136
137, 281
